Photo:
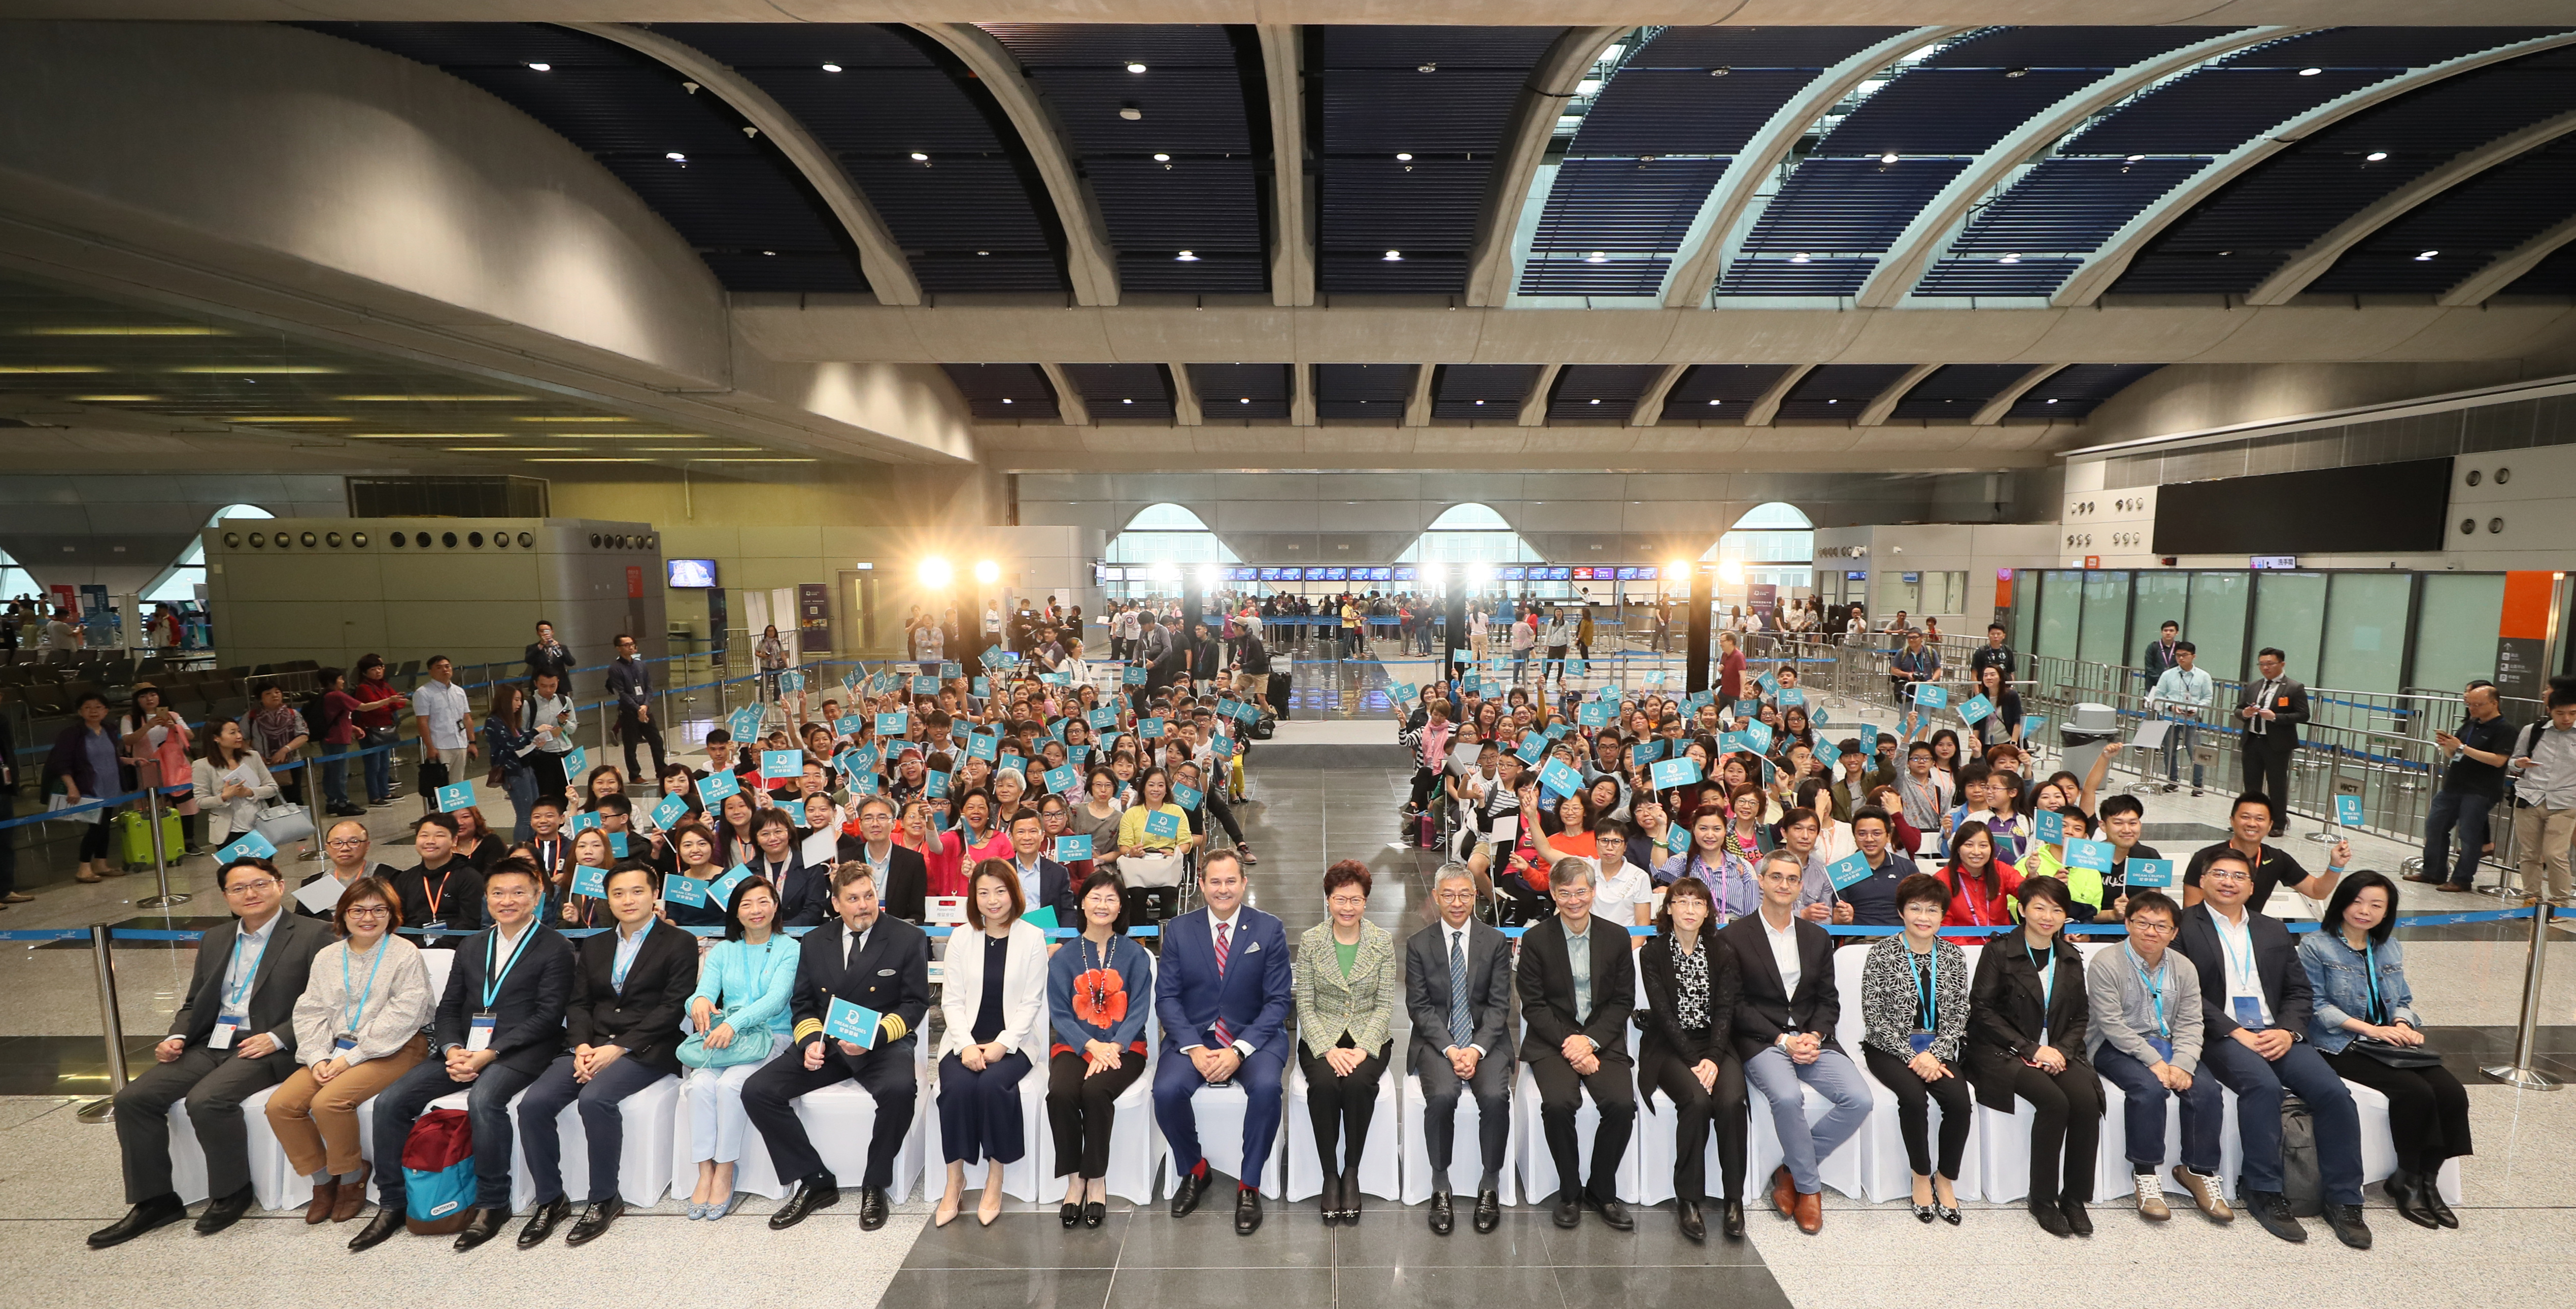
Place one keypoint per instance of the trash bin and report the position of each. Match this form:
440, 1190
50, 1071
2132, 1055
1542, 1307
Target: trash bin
2086, 730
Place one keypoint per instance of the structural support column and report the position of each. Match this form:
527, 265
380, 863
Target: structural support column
1292, 260
1417, 409
1089, 261
1185, 396
1534, 405
1884, 403
1069, 403
1551, 84
1768, 403
1301, 395
1650, 406
1993, 411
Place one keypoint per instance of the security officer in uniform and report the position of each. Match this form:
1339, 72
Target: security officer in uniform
878, 963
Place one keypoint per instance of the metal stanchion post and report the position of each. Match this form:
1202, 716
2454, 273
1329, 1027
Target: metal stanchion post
160, 856
111, 1022
2520, 1074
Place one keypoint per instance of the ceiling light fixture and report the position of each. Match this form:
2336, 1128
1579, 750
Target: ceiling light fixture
1797, 259
511, 449
1162, 158
2016, 72
920, 158
1719, 72
1135, 68
2427, 255
288, 418
607, 419
2052, 399
1131, 113
111, 399
1596, 401
51, 368
1712, 402
2135, 158
2009, 259
770, 253
1186, 257
1426, 68
2310, 72
1888, 158
1596, 257
590, 459
831, 68
541, 68
1393, 257
1404, 156
675, 156
1126, 402
1244, 401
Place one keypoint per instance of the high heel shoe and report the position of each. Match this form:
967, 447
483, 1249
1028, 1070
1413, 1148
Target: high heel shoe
1922, 1213
1948, 1213
1070, 1214
1094, 1214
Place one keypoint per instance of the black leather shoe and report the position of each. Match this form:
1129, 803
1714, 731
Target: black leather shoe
2051, 1219
159, 1211
481, 1226
1565, 1212
1071, 1213
1247, 1211
2078, 1216
2348, 1225
1329, 1200
1612, 1212
379, 1229
1444, 1216
2272, 1210
1489, 1210
2401, 1188
1185, 1196
1352, 1204
812, 1193
223, 1212
543, 1222
2429, 1193
594, 1221
1731, 1220
1693, 1226
1094, 1214
872, 1208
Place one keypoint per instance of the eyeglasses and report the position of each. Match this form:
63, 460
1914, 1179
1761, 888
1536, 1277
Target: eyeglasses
1348, 902
346, 842
369, 910
2149, 927
1456, 893
250, 884
2225, 875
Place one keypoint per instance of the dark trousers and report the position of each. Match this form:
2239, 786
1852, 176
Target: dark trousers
2267, 768
2466, 811
1081, 1110
1423, 778
1220, 812
1492, 1086
1335, 1102
1176, 1079
549, 769
214, 1083
1560, 1094
94, 836
1913, 1117
487, 1111
1695, 1111
633, 731
885, 1073
8, 841
603, 1123
2260, 1083
2428, 1109
2066, 1118
2203, 1113
979, 1113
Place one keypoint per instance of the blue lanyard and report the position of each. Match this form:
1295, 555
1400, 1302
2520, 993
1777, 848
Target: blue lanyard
236, 997
2234, 963
2047, 981
2155, 989
2370, 970
491, 947
617, 971
383, 948
1929, 999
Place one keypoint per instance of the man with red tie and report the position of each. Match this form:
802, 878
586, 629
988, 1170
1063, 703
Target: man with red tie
1223, 997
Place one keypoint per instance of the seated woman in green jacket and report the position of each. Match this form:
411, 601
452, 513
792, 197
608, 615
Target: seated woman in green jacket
1345, 991
741, 1006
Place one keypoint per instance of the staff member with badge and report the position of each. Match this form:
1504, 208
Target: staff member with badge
357, 1028
2269, 711
1914, 1000
862, 988
2144, 1036
499, 1025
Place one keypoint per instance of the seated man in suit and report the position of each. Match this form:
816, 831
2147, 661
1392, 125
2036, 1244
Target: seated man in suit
1578, 985
1044, 883
1458, 988
877, 962
1223, 997
233, 1036
2255, 1001
630, 988
499, 1024
1784, 1031
902, 879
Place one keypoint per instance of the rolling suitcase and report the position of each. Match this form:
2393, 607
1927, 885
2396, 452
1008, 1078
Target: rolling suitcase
1279, 685
134, 839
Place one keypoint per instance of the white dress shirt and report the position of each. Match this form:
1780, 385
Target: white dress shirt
1784, 952
2236, 943
443, 712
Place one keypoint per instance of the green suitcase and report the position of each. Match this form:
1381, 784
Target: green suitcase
134, 839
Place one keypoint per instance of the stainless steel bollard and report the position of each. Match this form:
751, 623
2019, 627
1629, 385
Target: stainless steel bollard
110, 1021
160, 856
2520, 1074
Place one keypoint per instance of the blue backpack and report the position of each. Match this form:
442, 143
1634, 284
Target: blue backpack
438, 1173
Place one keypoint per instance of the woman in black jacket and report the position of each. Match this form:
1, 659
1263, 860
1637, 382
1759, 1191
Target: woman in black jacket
1691, 991
2026, 1039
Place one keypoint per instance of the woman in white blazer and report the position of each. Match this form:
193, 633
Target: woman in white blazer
231, 781
993, 995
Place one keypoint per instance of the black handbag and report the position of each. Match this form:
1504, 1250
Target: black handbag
2394, 1055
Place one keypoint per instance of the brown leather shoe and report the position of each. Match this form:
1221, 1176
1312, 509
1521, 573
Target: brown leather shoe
1784, 1193
326, 1197
353, 1195
1811, 1211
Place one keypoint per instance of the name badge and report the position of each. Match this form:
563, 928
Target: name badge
478, 1031
226, 1028
945, 909
2249, 1011
1919, 1042
2162, 1046
344, 1043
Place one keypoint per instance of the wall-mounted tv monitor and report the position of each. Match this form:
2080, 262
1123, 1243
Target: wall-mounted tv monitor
699, 573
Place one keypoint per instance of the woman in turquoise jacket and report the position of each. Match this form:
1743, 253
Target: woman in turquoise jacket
741, 1006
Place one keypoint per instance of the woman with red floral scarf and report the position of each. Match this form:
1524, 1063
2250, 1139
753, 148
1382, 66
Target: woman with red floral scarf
1100, 986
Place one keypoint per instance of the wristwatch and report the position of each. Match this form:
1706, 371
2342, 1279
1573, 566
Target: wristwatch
1243, 1049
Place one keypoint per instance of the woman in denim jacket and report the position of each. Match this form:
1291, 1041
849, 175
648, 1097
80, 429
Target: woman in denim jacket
2364, 1009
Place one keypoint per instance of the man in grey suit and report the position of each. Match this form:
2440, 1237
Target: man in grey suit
233, 1037
1458, 991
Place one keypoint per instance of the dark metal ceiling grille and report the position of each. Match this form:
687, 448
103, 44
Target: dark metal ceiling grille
1123, 393
1954, 392
1836, 393
1491, 392
1372, 391
2076, 390
2462, 230
1599, 393
1241, 391
1005, 391
1719, 393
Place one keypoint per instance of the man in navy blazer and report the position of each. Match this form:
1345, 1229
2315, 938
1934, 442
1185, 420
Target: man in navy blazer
1043, 881
500, 1023
1223, 998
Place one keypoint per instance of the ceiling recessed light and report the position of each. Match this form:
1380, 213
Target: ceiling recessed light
2016, 72
1426, 68
2052, 399
1186, 257
1404, 156
2376, 155
2426, 255
1833, 402
1126, 402
1888, 158
541, 68
675, 156
1135, 68
1394, 257
1006, 399
1244, 401
831, 68
1712, 402
1162, 158
1797, 259
2135, 158
772, 253
1131, 113
1596, 401
2310, 72
920, 158
1597, 257
2009, 259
